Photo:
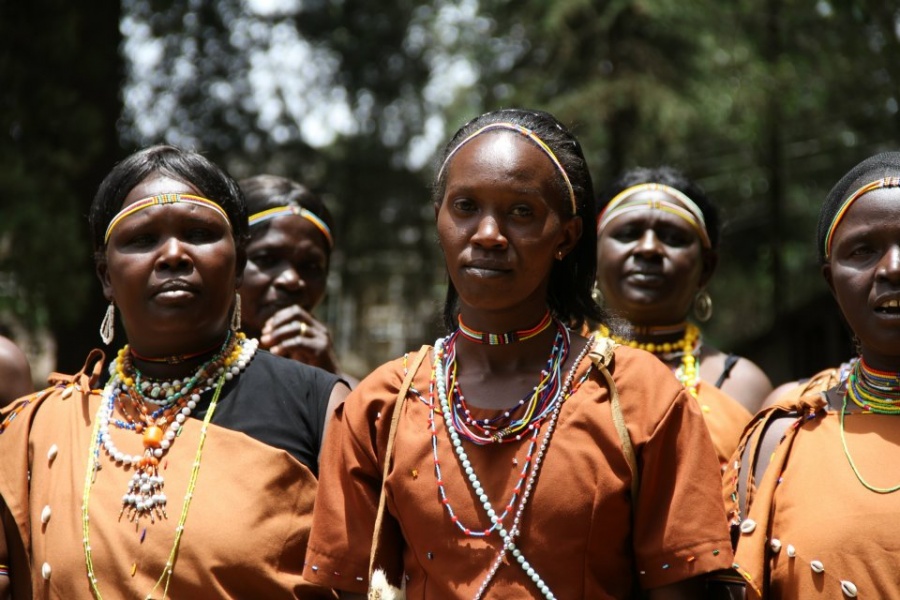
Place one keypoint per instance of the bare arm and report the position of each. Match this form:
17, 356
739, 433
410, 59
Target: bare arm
15, 373
339, 393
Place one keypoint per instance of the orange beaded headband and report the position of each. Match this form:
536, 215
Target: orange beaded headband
530, 135
683, 207
280, 211
884, 182
160, 200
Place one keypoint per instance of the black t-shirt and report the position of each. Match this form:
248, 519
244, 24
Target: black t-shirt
277, 401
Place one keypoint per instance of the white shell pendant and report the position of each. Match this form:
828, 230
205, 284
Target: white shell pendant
775, 545
747, 526
46, 570
45, 515
791, 551
849, 588
52, 452
817, 566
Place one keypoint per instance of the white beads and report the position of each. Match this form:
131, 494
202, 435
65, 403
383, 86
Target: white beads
52, 452
775, 545
817, 566
791, 551
45, 515
748, 526
46, 571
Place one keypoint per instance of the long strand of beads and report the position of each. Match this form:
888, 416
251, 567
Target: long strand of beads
509, 544
687, 348
440, 379
93, 465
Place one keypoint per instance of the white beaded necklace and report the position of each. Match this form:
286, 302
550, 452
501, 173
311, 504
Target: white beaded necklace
507, 535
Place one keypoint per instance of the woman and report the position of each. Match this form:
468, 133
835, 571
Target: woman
657, 237
288, 257
519, 487
197, 444
822, 519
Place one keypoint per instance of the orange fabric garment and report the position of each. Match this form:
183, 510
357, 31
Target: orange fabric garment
245, 534
577, 529
725, 417
812, 506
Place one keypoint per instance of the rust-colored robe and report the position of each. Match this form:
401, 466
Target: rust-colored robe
244, 537
811, 511
582, 531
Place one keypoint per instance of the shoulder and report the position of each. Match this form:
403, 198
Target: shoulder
647, 388
15, 372
742, 379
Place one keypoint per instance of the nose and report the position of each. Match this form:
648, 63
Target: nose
289, 279
648, 243
489, 233
173, 256
889, 266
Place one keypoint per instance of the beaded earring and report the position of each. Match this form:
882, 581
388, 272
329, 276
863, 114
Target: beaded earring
703, 306
597, 295
108, 325
236, 315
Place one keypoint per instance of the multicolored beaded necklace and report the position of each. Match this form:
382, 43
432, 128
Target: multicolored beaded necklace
499, 339
875, 392
439, 384
687, 349
159, 428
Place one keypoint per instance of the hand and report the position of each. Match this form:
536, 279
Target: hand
294, 333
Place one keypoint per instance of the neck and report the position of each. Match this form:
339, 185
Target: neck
170, 365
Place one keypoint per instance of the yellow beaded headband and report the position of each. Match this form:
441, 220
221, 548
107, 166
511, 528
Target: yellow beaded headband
530, 135
279, 211
884, 182
160, 200
683, 207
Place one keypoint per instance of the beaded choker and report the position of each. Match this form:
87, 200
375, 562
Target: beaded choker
499, 339
873, 390
175, 359
686, 348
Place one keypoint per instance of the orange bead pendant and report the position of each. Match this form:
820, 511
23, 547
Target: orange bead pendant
153, 435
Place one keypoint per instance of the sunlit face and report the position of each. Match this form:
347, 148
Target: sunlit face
501, 224
864, 274
287, 265
171, 271
651, 264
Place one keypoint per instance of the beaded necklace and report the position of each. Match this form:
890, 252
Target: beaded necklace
159, 429
534, 460
498, 339
875, 392
687, 349
506, 427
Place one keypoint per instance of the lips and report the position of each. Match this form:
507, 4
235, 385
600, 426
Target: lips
175, 289
888, 306
487, 268
652, 278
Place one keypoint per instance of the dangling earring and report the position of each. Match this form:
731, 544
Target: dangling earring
597, 295
236, 315
108, 325
703, 306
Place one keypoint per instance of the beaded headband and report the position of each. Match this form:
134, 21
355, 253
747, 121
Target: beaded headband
527, 133
884, 182
280, 211
683, 207
160, 200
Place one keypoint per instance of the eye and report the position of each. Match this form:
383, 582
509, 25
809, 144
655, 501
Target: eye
202, 235
627, 233
464, 205
522, 210
312, 270
675, 238
264, 260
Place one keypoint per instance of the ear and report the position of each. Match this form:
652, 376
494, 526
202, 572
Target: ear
102, 270
710, 259
572, 230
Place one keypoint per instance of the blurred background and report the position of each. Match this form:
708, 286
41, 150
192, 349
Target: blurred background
766, 103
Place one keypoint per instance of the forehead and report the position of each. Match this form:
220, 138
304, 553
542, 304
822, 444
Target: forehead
638, 211
157, 183
501, 154
876, 210
291, 233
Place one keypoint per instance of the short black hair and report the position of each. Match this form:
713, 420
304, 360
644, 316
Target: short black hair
272, 191
878, 166
673, 178
192, 168
569, 292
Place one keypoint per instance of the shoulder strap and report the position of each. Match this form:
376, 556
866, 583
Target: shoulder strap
730, 361
602, 355
389, 451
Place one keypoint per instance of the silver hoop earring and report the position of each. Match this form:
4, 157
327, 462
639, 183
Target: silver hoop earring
108, 325
236, 315
703, 306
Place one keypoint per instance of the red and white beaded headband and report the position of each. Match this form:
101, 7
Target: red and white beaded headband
884, 182
682, 207
280, 211
160, 200
530, 135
